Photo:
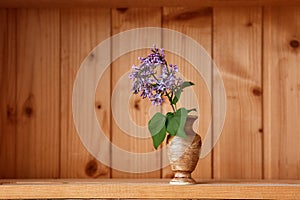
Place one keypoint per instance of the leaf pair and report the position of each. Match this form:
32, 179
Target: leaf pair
173, 123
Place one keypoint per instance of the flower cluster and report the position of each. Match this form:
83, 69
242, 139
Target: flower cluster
154, 78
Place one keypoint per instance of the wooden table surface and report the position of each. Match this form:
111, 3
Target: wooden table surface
146, 188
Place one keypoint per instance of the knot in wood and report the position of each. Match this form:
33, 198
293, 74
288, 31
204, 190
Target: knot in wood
91, 168
256, 91
294, 43
122, 10
28, 111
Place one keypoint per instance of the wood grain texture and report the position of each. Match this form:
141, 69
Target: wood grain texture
282, 92
197, 24
141, 3
37, 141
122, 20
237, 53
82, 30
8, 115
146, 188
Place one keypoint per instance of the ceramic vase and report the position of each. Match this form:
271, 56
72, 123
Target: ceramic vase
183, 153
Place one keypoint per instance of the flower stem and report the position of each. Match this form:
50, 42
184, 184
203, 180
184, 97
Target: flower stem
170, 100
166, 64
173, 107
154, 77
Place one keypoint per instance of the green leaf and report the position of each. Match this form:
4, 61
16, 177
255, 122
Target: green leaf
179, 91
171, 124
182, 112
186, 84
157, 129
176, 122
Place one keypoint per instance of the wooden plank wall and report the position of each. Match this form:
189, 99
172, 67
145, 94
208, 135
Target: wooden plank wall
76, 24
282, 92
257, 50
8, 104
239, 150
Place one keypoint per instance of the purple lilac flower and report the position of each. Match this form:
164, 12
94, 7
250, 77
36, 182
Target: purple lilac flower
154, 78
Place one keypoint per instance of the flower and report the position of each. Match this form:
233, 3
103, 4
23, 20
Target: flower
155, 79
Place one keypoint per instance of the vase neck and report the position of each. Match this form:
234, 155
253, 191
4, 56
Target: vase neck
189, 124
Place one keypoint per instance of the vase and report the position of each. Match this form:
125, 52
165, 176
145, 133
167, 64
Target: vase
183, 153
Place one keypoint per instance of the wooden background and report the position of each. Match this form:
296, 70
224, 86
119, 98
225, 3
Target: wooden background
255, 47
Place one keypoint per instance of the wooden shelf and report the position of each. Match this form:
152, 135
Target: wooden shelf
146, 188
142, 3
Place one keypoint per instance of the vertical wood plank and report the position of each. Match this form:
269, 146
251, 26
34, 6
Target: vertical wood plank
124, 19
8, 109
281, 92
237, 53
82, 30
197, 24
37, 145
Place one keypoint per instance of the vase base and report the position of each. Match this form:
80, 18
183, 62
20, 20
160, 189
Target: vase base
182, 181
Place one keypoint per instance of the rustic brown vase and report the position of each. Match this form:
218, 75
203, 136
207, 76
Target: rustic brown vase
183, 153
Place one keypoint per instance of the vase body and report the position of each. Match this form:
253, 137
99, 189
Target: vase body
183, 153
